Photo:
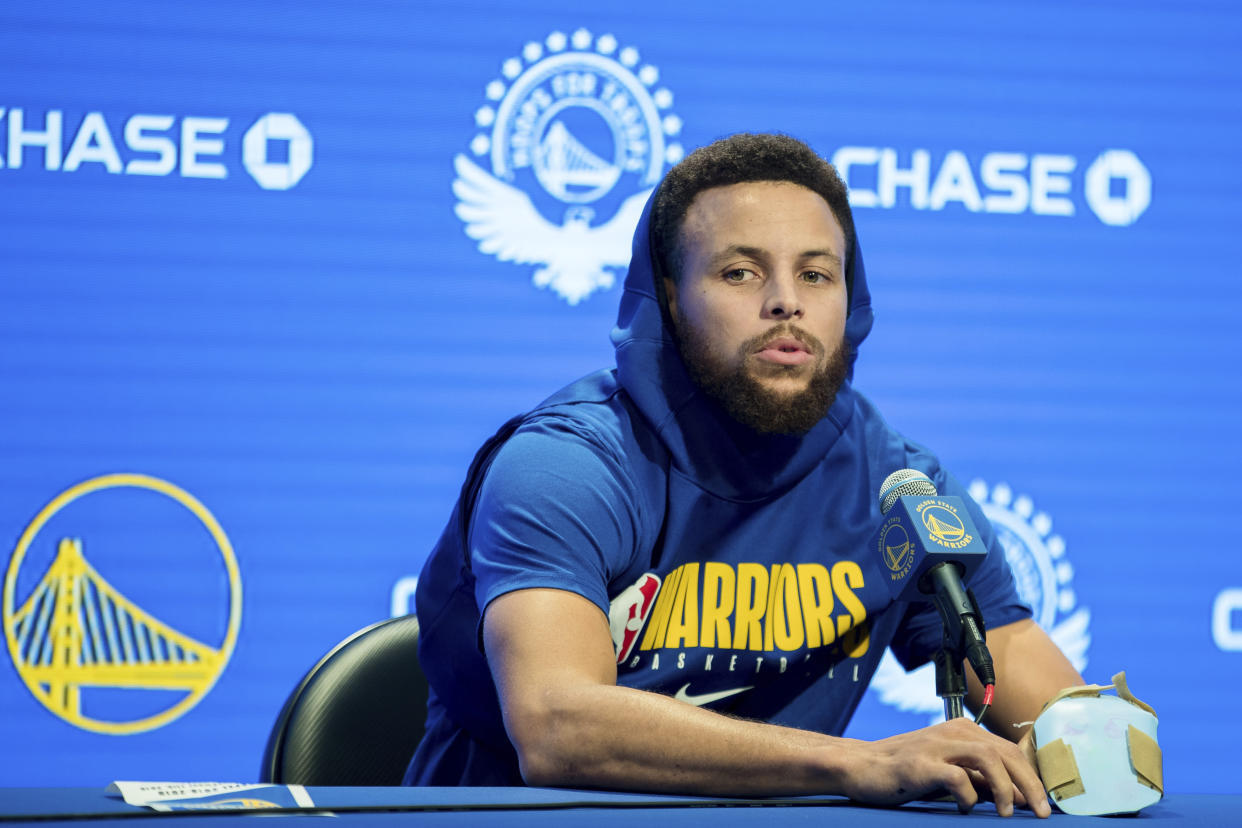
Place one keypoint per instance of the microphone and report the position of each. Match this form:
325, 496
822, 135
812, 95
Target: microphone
928, 546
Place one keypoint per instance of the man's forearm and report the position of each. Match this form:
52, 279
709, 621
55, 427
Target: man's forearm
1030, 670
618, 737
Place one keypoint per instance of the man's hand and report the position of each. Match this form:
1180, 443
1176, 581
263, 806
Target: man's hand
957, 757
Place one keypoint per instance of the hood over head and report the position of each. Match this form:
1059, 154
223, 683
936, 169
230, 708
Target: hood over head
707, 445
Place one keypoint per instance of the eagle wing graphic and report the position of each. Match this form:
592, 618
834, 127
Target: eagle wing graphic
614, 238
501, 217
574, 259
587, 255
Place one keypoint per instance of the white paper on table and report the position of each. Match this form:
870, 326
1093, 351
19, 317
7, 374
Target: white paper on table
216, 796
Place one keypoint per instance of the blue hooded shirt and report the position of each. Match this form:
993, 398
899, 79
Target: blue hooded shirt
734, 568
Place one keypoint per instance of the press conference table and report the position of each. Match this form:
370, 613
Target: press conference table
530, 807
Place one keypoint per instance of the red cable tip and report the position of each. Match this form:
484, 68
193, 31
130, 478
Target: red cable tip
987, 694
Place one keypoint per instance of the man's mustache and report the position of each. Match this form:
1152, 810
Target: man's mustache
781, 331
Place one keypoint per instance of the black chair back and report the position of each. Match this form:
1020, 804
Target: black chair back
357, 716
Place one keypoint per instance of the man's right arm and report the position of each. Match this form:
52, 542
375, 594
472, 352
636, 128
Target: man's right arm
551, 655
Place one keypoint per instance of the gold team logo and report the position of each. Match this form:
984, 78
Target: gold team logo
75, 630
943, 525
895, 548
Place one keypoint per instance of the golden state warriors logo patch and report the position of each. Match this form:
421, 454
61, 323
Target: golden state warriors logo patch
943, 525
895, 549
573, 137
122, 603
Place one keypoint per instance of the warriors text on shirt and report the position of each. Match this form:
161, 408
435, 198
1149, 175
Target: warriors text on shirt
747, 606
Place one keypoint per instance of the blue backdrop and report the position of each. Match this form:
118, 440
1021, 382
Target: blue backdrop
270, 272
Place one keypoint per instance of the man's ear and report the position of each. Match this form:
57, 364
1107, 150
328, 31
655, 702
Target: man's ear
670, 296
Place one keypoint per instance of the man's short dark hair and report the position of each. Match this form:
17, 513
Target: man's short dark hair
739, 159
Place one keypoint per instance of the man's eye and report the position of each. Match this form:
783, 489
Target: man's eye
815, 276
739, 275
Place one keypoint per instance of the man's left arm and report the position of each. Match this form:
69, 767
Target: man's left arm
1030, 670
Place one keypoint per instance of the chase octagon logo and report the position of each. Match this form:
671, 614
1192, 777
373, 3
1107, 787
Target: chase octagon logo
572, 138
82, 645
1044, 579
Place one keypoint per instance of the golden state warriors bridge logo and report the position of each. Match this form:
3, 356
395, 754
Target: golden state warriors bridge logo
943, 525
122, 603
574, 135
895, 549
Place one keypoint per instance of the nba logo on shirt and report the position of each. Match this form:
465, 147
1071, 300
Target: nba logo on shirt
628, 612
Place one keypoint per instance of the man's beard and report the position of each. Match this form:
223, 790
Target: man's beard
747, 400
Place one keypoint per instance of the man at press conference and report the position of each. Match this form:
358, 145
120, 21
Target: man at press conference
663, 578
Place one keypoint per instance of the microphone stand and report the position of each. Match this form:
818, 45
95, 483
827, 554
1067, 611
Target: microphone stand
963, 638
951, 675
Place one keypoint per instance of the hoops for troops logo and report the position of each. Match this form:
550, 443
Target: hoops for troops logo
576, 132
1044, 578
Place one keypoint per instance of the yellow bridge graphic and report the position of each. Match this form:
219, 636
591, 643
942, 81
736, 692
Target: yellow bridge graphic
894, 555
77, 630
941, 529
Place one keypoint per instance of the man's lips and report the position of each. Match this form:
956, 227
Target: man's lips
785, 350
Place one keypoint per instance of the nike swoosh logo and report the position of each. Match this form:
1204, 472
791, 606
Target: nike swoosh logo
700, 699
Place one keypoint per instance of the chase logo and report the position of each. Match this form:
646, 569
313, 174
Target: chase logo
276, 149
122, 604
942, 524
1044, 579
895, 548
575, 133
1116, 184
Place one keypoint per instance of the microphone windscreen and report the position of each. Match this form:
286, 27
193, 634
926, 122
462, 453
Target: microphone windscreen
902, 483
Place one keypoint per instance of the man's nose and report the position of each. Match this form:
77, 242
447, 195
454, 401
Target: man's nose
782, 300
